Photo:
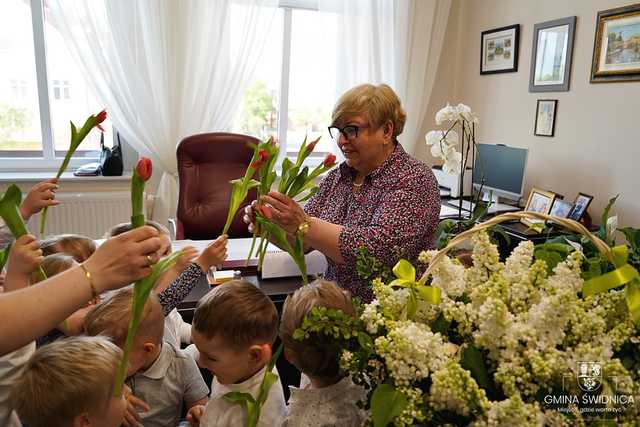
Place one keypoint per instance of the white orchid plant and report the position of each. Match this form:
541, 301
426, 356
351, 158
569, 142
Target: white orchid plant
443, 142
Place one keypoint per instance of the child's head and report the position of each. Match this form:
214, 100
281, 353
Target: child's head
165, 248
318, 356
70, 382
55, 264
111, 318
234, 327
79, 247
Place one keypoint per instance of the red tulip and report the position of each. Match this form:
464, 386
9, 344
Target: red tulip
312, 145
256, 164
144, 168
264, 155
101, 117
329, 161
265, 211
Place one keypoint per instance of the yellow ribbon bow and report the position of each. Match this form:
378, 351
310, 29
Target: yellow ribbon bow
406, 278
623, 274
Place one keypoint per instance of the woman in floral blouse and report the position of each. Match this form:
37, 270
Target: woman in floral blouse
380, 197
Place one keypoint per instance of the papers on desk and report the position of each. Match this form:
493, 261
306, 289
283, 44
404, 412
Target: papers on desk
277, 263
447, 211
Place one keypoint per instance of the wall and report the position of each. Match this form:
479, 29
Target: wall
596, 145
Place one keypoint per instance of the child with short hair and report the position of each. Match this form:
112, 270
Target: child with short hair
70, 383
158, 373
73, 325
234, 328
329, 399
79, 247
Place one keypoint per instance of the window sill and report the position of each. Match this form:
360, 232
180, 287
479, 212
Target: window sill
6, 177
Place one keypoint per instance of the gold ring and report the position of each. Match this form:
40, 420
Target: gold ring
150, 259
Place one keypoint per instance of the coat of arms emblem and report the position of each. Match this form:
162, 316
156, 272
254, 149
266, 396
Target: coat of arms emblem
589, 375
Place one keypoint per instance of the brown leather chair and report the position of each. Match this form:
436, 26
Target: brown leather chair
206, 164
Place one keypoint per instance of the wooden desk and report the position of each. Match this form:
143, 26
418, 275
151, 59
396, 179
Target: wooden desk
276, 289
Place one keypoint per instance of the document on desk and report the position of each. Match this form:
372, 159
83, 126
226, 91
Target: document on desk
277, 263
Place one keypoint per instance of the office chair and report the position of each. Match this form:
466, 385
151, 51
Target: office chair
206, 164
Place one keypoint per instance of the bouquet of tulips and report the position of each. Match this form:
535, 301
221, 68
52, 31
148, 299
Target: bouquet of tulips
296, 182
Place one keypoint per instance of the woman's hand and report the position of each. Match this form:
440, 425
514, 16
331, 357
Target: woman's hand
123, 259
286, 212
249, 217
41, 195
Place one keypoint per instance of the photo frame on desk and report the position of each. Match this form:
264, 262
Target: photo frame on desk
580, 206
560, 208
538, 201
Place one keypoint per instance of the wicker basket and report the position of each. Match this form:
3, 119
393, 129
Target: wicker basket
569, 224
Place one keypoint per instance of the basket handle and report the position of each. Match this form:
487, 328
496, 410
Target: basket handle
567, 223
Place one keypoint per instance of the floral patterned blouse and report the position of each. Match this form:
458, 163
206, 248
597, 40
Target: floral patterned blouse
396, 208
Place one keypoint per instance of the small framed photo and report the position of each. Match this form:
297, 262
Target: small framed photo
539, 201
551, 55
560, 208
580, 206
499, 50
616, 49
545, 117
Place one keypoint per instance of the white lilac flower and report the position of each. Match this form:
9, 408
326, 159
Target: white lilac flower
453, 389
412, 413
448, 276
518, 263
513, 412
372, 317
494, 321
411, 352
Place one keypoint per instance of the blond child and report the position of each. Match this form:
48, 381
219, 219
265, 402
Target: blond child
328, 398
234, 327
79, 247
70, 383
159, 374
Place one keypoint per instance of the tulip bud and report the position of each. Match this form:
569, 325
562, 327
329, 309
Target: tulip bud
144, 168
101, 117
329, 161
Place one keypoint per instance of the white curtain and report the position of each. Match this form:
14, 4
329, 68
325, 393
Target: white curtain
397, 42
165, 69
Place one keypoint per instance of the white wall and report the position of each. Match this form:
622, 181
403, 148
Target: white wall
596, 148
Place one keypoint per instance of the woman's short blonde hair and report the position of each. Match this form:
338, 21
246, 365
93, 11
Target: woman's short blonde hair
379, 104
65, 379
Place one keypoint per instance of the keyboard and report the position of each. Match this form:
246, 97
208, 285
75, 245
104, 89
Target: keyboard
494, 208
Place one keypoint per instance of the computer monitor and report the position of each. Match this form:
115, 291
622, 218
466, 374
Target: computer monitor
500, 169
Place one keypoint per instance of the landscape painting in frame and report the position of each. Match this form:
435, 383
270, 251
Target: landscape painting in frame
616, 52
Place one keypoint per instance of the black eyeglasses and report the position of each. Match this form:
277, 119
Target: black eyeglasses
350, 132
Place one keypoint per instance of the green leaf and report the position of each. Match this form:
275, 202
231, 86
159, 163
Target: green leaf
238, 398
602, 231
472, 360
365, 341
404, 270
4, 256
551, 258
386, 404
440, 325
633, 237
309, 195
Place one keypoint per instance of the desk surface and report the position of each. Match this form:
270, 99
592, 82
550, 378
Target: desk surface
276, 289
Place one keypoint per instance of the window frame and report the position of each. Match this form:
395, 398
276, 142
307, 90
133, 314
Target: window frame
45, 160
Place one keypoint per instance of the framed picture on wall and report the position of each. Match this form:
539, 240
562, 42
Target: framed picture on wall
545, 117
551, 55
616, 49
539, 201
499, 50
580, 206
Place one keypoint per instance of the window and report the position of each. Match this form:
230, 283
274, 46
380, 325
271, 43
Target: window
41, 89
296, 74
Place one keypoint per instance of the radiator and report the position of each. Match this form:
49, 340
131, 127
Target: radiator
89, 214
